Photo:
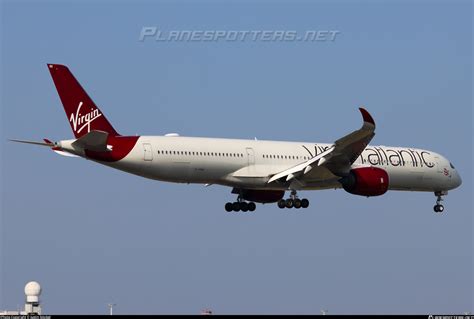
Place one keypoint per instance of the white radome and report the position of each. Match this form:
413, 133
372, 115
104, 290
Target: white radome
32, 291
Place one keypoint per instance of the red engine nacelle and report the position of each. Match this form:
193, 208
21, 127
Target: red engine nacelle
366, 181
262, 196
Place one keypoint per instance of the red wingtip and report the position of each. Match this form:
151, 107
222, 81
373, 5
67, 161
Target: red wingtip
366, 116
47, 141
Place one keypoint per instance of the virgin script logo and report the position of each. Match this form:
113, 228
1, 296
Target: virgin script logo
80, 121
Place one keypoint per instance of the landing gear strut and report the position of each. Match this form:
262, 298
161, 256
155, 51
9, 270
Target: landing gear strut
293, 201
240, 205
439, 208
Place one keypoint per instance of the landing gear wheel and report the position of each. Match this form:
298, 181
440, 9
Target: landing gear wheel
304, 203
244, 206
282, 203
289, 203
297, 203
236, 206
438, 208
228, 207
251, 206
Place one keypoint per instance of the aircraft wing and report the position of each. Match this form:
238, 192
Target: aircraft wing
339, 157
302, 168
349, 147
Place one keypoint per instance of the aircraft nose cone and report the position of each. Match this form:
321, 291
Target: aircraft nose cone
457, 180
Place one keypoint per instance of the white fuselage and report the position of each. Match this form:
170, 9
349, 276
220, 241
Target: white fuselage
249, 163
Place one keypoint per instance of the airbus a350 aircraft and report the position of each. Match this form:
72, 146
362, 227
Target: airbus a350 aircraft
258, 171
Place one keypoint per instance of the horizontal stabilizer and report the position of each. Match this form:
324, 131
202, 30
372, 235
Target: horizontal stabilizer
49, 144
93, 141
63, 153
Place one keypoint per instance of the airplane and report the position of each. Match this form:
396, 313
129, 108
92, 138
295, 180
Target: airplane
258, 171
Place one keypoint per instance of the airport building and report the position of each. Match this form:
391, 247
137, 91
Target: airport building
32, 301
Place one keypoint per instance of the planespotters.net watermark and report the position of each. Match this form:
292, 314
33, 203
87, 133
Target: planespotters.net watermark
152, 33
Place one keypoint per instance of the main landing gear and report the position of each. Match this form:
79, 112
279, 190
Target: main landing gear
240, 205
439, 208
293, 201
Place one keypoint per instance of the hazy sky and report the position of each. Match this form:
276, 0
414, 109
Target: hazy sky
92, 235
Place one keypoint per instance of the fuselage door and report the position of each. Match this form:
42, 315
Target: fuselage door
147, 152
250, 156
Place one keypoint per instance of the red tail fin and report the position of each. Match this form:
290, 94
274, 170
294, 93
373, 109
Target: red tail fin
81, 111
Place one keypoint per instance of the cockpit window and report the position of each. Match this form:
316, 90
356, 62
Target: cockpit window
452, 166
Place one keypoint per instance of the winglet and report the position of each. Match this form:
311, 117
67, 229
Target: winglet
366, 116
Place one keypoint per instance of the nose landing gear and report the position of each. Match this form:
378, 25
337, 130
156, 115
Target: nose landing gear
439, 208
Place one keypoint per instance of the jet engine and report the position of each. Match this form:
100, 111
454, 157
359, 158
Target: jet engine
366, 181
